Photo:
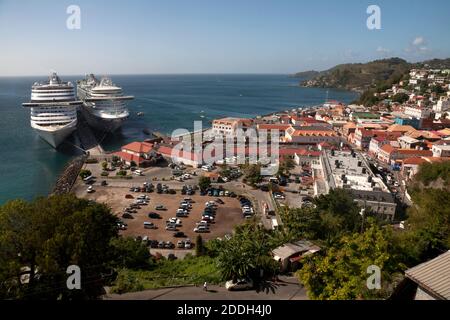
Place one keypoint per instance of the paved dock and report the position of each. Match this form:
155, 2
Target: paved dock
88, 141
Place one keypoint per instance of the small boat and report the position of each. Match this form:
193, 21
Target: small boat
140, 113
146, 131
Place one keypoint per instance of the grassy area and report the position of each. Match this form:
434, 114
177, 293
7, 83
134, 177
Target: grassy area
188, 271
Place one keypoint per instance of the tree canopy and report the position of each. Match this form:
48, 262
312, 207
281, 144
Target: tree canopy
41, 239
341, 271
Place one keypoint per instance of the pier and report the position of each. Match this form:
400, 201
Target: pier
85, 136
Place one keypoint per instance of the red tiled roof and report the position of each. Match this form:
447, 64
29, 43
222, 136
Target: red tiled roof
139, 147
424, 153
388, 148
281, 127
308, 153
128, 157
414, 161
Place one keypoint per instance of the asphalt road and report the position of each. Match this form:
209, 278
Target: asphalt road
287, 288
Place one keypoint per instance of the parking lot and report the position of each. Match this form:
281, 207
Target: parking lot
228, 214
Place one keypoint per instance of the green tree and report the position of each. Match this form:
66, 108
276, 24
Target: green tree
133, 163
340, 272
252, 174
129, 253
85, 173
42, 238
285, 167
400, 98
204, 183
104, 165
247, 254
199, 246
332, 216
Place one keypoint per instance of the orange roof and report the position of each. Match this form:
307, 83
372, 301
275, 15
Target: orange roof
128, 157
388, 148
400, 128
349, 125
138, 147
425, 153
316, 133
414, 161
436, 159
266, 126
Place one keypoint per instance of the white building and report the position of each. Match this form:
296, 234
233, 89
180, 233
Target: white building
417, 112
229, 126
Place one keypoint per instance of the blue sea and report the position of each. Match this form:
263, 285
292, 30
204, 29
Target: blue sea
29, 167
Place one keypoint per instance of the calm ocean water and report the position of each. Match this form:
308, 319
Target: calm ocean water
29, 166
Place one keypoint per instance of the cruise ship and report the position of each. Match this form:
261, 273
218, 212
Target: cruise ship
53, 108
103, 103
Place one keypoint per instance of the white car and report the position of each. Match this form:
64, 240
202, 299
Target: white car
201, 229
239, 285
90, 189
175, 221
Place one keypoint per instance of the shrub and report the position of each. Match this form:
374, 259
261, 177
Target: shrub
85, 173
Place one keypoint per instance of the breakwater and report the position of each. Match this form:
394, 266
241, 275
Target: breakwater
69, 176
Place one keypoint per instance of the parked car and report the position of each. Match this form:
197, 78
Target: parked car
149, 225
153, 244
187, 244
126, 215
171, 227
169, 245
180, 244
154, 215
160, 207
179, 234
243, 284
201, 229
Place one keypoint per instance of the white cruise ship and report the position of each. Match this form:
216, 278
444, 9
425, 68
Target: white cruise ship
103, 103
53, 108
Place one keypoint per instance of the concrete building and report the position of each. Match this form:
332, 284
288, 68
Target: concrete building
417, 112
441, 150
229, 126
350, 171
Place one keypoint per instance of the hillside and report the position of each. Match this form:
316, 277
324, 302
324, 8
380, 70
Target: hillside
359, 76
435, 64
305, 75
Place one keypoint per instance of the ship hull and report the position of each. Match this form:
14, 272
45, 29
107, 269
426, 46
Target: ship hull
102, 124
57, 136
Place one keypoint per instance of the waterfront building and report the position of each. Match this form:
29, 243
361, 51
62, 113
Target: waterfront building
229, 126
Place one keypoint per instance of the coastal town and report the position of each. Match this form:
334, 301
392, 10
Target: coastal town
157, 187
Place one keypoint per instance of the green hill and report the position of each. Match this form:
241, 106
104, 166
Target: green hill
359, 76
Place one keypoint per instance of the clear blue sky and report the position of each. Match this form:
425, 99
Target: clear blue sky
214, 36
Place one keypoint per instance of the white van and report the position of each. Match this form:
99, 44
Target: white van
138, 172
